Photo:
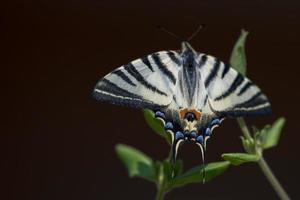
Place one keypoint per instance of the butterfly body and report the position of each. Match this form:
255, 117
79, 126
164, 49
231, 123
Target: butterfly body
189, 91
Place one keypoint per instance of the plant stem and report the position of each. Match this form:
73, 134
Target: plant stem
244, 127
272, 179
160, 184
160, 194
264, 165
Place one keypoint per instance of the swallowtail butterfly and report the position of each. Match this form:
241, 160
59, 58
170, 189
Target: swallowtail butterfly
190, 92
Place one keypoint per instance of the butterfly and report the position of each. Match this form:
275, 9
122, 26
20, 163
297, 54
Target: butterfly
190, 92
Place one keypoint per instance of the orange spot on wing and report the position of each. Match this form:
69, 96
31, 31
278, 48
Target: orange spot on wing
197, 114
183, 111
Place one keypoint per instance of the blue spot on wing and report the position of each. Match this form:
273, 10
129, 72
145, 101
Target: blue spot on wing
169, 126
179, 135
200, 139
207, 132
159, 114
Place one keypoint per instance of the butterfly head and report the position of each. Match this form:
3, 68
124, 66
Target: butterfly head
186, 48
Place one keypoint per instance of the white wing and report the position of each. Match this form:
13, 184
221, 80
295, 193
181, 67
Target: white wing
147, 82
230, 93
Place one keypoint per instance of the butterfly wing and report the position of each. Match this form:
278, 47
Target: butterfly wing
230, 94
147, 82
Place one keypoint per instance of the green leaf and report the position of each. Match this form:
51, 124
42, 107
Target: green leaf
178, 168
172, 170
238, 56
272, 133
136, 162
168, 168
195, 175
240, 158
156, 124
249, 145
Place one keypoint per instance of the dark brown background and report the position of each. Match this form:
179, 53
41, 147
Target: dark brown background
58, 143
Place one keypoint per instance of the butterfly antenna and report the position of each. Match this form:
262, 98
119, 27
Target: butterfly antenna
168, 32
195, 32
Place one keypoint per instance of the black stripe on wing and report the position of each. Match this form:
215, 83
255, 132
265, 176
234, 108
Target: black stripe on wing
256, 105
225, 70
123, 76
203, 60
109, 92
112, 88
163, 68
174, 58
245, 88
130, 68
242, 113
146, 61
253, 101
236, 83
180, 84
213, 73
205, 100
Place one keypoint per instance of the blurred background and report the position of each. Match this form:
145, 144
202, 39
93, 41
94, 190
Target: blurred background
58, 143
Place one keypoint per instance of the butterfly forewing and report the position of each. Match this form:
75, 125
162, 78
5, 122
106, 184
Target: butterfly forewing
147, 82
230, 93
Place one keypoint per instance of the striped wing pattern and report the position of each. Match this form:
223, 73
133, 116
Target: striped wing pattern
190, 92
230, 94
147, 82
150, 82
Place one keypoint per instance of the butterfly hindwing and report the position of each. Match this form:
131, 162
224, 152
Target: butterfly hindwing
230, 93
147, 82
